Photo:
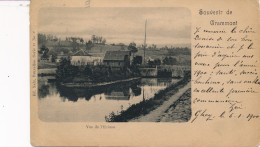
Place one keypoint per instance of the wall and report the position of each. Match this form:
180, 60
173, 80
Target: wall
85, 60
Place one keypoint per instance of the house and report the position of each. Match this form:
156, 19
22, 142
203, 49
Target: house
118, 58
83, 58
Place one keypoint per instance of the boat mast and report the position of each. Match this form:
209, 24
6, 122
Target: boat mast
144, 40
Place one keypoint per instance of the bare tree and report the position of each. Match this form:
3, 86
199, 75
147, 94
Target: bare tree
81, 40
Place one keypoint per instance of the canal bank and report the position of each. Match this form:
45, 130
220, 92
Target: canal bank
180, 110
152, 109
168, 111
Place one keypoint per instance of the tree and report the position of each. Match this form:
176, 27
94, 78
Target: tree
81, 40
100, 39
89, 45
166, 60
93, 38
66, 70
132, 47
53, 58
104, 41
153, 46
75, 45
169, 61
157, 62
88, 71
42, 39
142, 46
44, 51
50, 37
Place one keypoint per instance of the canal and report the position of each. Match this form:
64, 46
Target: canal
61, 104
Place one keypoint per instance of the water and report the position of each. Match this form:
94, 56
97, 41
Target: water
62, 104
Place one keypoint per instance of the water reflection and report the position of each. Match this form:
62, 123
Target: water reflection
59, 103
45, 88
44, 91
120, 91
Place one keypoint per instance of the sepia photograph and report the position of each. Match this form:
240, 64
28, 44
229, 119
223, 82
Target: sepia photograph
128, 64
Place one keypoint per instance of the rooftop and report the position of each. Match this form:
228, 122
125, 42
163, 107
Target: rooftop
81, 53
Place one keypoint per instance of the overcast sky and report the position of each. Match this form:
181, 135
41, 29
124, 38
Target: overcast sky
165, 26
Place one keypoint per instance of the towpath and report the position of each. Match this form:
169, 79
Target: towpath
158, 113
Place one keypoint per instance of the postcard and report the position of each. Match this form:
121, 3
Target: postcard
145, 73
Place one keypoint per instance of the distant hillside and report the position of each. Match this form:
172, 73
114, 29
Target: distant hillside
98, 48
65, 47
61, 43
154, 54
183, 55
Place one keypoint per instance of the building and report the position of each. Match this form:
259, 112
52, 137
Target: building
117, 58
83, 58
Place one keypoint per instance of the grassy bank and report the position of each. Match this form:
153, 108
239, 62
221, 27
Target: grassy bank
180, 110
146, 106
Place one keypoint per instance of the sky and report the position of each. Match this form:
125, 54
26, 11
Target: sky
165, 26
